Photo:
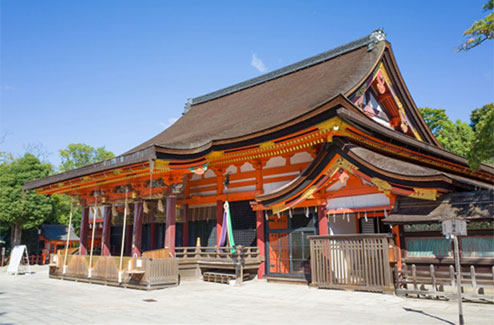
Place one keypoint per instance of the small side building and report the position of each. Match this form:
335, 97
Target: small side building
54, 237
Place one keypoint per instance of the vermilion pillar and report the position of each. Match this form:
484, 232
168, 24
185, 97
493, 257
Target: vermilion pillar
137, 230
322, 220
185, 229
219, 220
171, 203
396, 231
84, 229
106, 231
152, 230
260, 241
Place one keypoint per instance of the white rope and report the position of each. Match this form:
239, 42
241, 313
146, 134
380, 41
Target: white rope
123, 237
68, 237
92, 237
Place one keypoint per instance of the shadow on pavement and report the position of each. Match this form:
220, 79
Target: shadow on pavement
428, 315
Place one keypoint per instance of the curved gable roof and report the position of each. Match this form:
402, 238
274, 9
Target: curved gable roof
272, 99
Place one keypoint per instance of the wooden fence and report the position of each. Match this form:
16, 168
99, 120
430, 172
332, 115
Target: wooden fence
358, 262
432, 283
194, 261
138, 272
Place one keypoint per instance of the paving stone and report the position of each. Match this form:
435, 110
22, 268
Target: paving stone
63, 302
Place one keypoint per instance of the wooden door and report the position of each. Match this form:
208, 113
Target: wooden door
279, 253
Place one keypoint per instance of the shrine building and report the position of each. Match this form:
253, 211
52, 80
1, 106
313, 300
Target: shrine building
333, 144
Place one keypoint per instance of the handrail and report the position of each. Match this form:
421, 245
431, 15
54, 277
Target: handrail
217, 253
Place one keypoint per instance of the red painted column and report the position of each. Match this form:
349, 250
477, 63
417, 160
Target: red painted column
185, 239
153, 235
219, 221
171, 203
137, 230
84, 229
106, 231
260, 241
322, 219
396, 231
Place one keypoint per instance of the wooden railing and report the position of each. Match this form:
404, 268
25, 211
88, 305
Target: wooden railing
138, 272
430, 282
194, 262
358, 262
218, 254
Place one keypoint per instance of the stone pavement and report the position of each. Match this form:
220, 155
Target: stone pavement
36, 299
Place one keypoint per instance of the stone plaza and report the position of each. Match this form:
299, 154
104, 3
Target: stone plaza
36, 299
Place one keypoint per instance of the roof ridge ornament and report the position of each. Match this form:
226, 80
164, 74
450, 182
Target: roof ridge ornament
375, 37
188, 103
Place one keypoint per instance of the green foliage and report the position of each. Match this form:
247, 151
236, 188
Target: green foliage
482, 148
61, 204
32, 210
78, 155
474, 141
477, 114
435, 119
456, 137
481, 30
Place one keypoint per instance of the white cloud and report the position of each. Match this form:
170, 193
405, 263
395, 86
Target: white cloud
171, 120
257, 63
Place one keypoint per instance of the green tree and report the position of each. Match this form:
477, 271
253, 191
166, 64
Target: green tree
23, 210
481, 30
482, 147
78, 155
456, 137
477, 114
434, 118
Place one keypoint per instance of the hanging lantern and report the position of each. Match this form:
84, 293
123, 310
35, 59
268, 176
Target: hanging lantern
348, 217
385, 213
307, 212
334, 217
161, 208
290, 213
365, 216
114, 211
133, 194
145, 207
278, 214
266, 215
358, 215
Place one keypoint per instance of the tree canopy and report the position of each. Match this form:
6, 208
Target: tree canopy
474, 141
27, 210
482, 147
481, 30
77, 155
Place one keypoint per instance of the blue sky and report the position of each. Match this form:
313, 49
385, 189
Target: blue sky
115, 73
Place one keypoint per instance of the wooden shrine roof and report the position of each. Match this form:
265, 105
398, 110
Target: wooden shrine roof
469, 205
401, 175
272, 99
287, 100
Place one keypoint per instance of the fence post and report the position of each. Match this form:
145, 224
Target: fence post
414, 279
452, 276
474, 280
433, 276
